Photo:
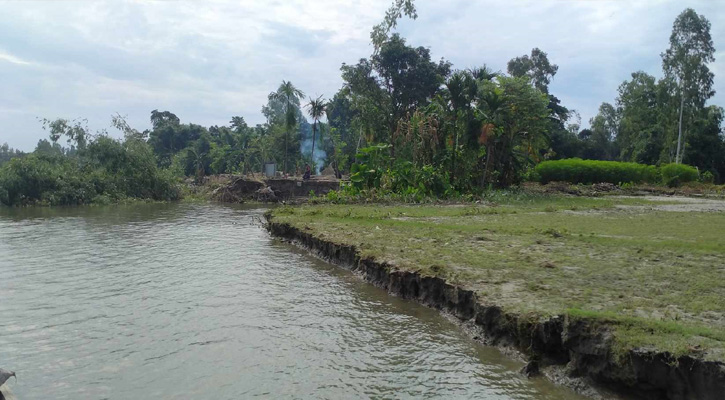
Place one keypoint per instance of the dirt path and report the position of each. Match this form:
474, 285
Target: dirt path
679, 204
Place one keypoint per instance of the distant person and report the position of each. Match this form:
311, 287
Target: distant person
308, 172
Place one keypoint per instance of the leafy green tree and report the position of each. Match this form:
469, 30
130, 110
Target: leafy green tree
691, 49
599, 142
198, 158
640, 138
48, 148
393, 83
459, 94
379, 33
169, 137
119, 122
516, 116
536, 67
75, 131
161, 118
102, 169
484, 73
706, 144
7, 153
340, 117
540, 71
290, 96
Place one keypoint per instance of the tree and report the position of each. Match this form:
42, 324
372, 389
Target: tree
7, 153
161, 118
379, 34
460, 92
706, 147
484, 73
392, 84
198, 159
540, 71
691, 49
640, 137
536, 68
119, 122
75, 130
290, 96
564, 141
516, 120
170, 137
340, 117
316, 110
598, 142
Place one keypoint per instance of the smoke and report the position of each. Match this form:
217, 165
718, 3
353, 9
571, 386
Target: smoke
320, 155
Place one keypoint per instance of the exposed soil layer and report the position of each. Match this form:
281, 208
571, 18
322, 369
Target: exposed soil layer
238, 189
584, 346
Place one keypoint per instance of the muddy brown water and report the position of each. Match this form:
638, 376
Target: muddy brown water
191, 301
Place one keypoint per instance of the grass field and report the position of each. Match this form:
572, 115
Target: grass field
654, 270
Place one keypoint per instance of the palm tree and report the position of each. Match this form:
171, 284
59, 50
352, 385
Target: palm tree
290, 95
316, 110
484, 73
460, 90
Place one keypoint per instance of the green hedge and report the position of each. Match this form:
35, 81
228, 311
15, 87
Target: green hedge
675, 174
575, 170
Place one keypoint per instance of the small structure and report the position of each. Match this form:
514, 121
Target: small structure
270, 169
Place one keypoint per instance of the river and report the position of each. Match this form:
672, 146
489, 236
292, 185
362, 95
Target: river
197, 301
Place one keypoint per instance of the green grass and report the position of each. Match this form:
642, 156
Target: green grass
657, 277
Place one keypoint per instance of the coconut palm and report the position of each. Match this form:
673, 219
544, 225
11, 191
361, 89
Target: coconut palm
484, 73
290, 96
460, 90
316, 110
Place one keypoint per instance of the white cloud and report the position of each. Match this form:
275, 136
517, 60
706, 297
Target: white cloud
12, 59
207, 61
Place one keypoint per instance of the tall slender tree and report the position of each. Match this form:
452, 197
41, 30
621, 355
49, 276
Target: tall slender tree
316, 110
691, 49
460, 91
290, 95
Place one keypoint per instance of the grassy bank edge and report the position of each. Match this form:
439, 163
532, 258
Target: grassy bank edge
629, 333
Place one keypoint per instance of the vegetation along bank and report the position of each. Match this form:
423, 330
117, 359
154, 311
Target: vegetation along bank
625, 292
406, 124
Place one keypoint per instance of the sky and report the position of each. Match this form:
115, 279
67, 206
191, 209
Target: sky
207, 61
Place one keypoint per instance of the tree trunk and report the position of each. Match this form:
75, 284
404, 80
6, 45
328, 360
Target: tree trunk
392, 142
455, 148
312, 154
489, 161
286, 135
359, 139
678, 157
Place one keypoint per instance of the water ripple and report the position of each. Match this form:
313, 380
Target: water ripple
197, 301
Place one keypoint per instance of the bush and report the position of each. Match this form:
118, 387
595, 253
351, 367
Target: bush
108, 170
575, 170
708, 177
676, 174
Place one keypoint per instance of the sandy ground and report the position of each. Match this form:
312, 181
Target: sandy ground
679, 204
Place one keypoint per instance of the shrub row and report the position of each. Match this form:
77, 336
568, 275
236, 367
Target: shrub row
107, 171
575, 170
674, 174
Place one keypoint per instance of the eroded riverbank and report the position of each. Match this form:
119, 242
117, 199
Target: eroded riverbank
609, 348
